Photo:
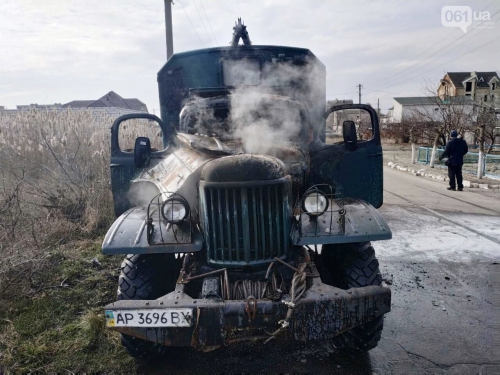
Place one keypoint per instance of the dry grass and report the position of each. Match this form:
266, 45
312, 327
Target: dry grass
54, 183
54, 179
55, 200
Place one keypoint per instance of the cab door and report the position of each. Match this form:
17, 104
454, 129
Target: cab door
353, 166
123, 166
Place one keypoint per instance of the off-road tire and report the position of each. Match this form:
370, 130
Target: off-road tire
144, 277
352, 266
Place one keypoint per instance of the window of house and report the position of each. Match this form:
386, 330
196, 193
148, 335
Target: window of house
486, 98
436, 109
492, 98
493, 86
467, 94
468, 86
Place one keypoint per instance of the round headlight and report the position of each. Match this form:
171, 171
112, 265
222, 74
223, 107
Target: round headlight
174, 210
315, 203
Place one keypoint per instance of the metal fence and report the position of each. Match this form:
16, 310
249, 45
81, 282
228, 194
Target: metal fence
491, 163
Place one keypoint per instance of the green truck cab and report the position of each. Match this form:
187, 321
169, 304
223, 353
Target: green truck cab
247, 225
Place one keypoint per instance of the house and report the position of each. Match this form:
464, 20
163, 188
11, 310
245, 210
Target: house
387, 118
481, 87
110, 106
110, 100
427, 108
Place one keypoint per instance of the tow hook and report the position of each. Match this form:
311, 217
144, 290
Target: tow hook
251, 307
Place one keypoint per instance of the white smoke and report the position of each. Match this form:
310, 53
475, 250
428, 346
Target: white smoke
262, 121
259, 115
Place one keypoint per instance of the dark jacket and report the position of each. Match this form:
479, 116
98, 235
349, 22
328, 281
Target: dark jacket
455, 150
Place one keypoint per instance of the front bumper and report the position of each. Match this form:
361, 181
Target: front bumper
322, 313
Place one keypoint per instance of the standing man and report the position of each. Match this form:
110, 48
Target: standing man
455, 150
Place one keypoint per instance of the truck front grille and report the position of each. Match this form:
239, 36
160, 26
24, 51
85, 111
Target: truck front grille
246, 225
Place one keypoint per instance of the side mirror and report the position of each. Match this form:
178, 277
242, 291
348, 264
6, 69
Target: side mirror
350, 136
142, 152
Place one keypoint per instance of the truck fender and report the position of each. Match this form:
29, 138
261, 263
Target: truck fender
128, 235
345, 221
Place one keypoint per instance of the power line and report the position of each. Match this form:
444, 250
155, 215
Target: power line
387, 92
182, 6
438, 51
209, 24
201, 19
464, 54
342, 93
349, 95
416, 62
353, 94
445, 51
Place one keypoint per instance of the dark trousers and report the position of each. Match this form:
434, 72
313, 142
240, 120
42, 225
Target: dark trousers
455, 171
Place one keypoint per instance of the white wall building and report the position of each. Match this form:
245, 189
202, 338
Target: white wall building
428, 108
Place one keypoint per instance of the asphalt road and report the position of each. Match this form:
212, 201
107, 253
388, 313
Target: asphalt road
442, 264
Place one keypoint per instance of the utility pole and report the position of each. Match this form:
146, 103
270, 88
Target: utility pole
359, 112
168, 28
378, 108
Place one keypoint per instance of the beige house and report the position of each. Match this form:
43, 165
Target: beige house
481, 87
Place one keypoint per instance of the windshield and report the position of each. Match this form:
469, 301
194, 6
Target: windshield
253, 121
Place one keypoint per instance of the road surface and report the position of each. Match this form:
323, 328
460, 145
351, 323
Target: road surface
442, 264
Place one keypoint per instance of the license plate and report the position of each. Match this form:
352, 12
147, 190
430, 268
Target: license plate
150, 318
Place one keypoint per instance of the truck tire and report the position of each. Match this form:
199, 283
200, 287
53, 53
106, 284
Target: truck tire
144, 277
352, 266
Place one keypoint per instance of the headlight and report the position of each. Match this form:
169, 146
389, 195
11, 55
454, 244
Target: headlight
174, 210
315, 203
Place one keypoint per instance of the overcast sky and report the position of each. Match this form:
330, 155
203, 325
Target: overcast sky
55, 51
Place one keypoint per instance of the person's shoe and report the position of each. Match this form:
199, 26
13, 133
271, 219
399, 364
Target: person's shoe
460, 189
450, 188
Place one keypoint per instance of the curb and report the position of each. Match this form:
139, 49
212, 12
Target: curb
423, 173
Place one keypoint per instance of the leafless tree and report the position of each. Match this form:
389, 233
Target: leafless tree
484, 133
487, 120
364, 126
413, 129
443, 116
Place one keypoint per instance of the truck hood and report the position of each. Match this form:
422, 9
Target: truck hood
180, 170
